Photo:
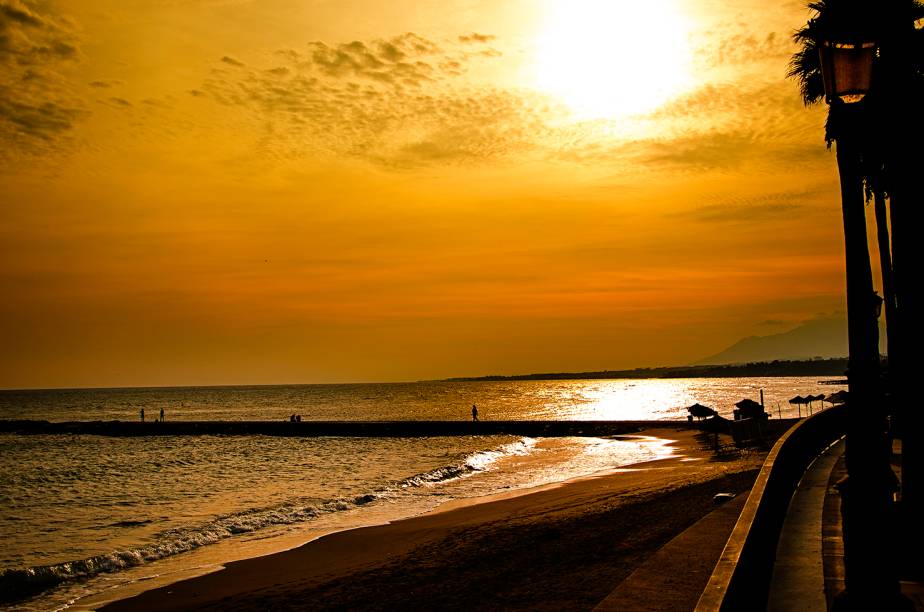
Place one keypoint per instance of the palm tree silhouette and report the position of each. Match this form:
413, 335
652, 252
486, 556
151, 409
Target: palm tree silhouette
900, 82
846, 127
862, 163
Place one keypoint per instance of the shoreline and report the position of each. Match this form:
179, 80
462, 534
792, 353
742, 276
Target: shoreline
336, 559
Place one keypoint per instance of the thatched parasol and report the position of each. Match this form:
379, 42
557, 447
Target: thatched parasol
701, 412
748, 408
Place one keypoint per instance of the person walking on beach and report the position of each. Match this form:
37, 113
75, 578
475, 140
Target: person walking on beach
474, 412
142, 414
161, 415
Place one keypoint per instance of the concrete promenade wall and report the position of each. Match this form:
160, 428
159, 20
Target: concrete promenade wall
741, 579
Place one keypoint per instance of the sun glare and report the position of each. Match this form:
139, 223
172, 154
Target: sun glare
613, 58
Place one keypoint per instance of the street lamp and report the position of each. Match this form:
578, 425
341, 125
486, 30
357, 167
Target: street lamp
847, 69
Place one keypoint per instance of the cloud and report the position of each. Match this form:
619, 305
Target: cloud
398, 102
741, 48
475, 37
754, 210
42, 120
410, 101
37, 108
396, 62
720, 150
29, 38
729, 213
717, 127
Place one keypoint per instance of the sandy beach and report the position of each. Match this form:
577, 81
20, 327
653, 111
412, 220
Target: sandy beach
565, 546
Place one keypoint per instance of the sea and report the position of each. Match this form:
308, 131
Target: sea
90, 518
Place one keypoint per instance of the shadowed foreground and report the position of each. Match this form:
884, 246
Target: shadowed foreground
568, 563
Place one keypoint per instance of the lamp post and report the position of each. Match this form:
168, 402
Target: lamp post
866, 509
847, 70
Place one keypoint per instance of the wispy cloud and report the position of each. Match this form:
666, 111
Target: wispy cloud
41, 120
104, 84
475, 37
232, 62
28, 37
399, 102
734, 47
36, 109
752, 210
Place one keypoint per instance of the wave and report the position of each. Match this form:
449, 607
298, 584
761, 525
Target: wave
20, 584
475, 462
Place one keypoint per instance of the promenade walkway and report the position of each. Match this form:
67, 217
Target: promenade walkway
799, 573
809, 567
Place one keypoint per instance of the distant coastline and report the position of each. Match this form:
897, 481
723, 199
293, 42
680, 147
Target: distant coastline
808, 367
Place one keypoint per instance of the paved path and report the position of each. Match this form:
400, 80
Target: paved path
798, 574
675, 576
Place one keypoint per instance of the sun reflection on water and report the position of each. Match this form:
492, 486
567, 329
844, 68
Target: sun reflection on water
652, 399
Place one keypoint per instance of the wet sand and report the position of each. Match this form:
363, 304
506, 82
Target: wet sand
565, 546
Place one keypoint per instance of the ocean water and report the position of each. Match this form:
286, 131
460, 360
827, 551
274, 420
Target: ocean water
83, 515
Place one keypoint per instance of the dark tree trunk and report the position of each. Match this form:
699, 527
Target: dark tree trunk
909, 411
885, 265
902, 126
870, 574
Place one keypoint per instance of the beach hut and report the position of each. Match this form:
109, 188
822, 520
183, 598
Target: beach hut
700, 412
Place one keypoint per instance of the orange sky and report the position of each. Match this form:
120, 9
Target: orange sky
242, 191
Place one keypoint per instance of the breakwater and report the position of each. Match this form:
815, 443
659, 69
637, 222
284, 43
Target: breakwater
381, 429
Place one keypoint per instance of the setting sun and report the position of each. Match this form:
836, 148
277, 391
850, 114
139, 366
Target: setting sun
612, 59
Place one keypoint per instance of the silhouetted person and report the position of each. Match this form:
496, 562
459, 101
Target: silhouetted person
298, 418
142, 414
161, 415
474, 412
292, 419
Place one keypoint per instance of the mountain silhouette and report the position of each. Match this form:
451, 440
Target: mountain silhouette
821, 337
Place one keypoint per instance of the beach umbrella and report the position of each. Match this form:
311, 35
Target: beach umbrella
837, 398
799, 400
815, 398
748, 408
700, 411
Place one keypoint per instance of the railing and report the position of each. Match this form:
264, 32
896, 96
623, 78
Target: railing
741, 578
